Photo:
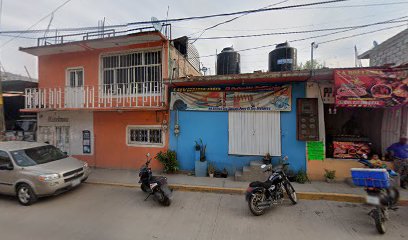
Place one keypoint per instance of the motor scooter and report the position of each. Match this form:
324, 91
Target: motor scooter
381, 193
154, 185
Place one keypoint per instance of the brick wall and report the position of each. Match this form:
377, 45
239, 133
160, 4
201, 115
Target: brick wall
393, 50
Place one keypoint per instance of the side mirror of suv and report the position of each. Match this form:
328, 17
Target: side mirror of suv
8, 166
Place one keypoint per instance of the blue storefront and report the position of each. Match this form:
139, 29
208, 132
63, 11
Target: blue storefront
213, 128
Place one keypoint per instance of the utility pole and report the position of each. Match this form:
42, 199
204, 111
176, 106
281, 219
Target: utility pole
312, 47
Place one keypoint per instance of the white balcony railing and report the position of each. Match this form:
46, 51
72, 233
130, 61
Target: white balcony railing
126, 95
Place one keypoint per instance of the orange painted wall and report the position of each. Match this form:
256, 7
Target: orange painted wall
111, 150
315, 169
52, 68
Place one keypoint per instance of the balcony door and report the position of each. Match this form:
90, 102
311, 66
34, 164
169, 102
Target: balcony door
74, 91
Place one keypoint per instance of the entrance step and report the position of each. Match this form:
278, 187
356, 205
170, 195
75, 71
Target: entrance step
251, 173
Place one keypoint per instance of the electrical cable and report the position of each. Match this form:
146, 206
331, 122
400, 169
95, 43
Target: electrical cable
33, 25
230, 20
306, 31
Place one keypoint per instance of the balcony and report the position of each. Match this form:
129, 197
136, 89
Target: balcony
138, 95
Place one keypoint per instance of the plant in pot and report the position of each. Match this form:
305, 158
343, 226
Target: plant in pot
329, 175
301, 177
169, 161
267, 159
203, 148
211, 170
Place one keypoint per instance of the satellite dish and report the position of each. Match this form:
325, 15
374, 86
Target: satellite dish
156, 24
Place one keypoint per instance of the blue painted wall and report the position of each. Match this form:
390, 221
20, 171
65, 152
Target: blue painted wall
212, 128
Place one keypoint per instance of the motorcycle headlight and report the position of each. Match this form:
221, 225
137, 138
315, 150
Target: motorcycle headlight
49, 177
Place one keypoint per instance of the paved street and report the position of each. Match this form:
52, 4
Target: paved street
100, 212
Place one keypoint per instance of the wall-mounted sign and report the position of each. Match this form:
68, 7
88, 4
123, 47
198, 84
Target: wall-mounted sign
57, 119
266, 98
374, 88
307, 119
327, 93
86, 141
315, 151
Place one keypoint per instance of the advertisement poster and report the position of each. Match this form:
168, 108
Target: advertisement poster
352, 150
270, 98
371, 88
315, 151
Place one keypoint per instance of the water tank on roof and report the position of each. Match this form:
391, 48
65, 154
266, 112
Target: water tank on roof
228, 62
282, 58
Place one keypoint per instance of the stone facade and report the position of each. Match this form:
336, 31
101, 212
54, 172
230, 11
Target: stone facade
392, 51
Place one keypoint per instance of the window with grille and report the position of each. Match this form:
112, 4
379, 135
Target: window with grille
132, 72
144, 135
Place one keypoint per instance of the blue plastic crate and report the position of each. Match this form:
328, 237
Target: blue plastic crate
364, 177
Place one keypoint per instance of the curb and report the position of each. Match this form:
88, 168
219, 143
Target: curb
337, 197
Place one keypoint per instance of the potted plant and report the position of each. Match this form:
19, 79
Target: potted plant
211, 170
267, 159
329, 175
200, 159
301, 177
169, 161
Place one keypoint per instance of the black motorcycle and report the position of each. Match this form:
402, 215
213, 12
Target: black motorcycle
154, 185
383, 198
262, 195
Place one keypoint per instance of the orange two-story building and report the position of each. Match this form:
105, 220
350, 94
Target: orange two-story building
102, 99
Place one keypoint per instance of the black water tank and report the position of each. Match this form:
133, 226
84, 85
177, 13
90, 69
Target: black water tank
283, 58
228, 62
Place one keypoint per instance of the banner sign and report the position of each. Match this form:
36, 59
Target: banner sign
371, 88
353, 150
261, 98
315, 151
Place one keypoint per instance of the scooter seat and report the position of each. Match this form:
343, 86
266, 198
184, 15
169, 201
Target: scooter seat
266, 184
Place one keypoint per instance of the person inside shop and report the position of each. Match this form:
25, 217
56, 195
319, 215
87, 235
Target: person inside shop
376, 161
351, 127
399, 153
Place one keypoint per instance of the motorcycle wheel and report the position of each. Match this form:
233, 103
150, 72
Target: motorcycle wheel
144, 188
393, 196
291, 192
162, 198
379, 219
253, 204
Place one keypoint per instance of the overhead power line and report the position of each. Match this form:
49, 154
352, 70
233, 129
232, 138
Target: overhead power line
313, 37
36, 23
72, 29
232, 19
177, 19
396, 20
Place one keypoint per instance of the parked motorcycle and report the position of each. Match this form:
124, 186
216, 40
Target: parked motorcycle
154, 185
262, 195
381, 193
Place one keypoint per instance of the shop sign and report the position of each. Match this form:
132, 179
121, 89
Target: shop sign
371, 88
86, 141
261, 98
315, 150
57, 119
327, 93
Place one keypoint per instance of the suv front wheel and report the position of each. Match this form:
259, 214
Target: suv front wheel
25, 195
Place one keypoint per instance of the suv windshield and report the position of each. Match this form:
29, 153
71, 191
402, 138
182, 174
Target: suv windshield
37, 155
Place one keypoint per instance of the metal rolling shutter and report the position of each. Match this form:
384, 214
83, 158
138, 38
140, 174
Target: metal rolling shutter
254, 133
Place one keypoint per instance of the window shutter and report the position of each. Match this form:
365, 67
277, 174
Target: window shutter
254, 133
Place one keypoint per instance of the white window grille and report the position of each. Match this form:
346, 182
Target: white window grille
145, 135
254, 133
134, 72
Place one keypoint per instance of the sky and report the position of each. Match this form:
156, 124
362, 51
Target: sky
21, 14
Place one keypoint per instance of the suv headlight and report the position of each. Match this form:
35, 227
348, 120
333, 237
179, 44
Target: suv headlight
49, 177
86, 165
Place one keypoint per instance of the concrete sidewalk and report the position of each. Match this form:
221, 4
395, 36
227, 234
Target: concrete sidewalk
130, 178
